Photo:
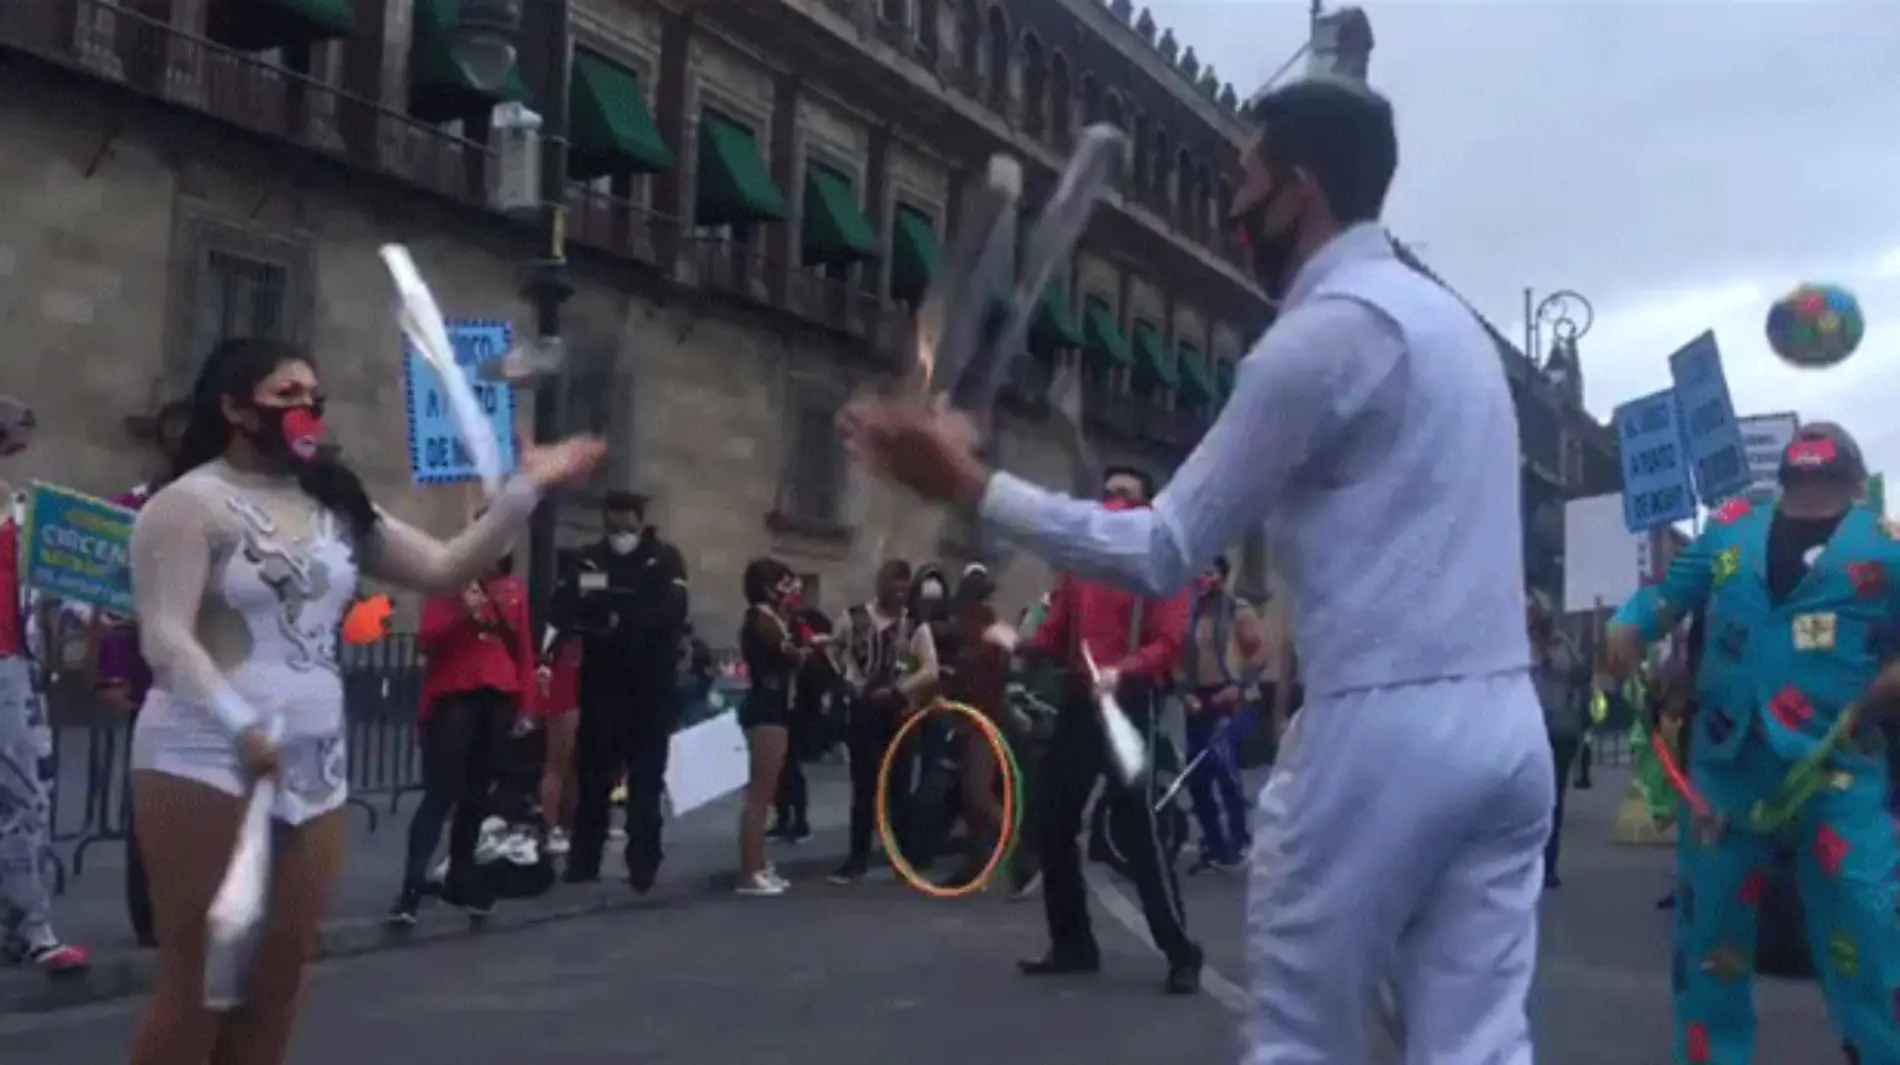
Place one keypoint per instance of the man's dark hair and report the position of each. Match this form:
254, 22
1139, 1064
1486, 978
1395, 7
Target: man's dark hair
1140, 475
1340, 132
893, 569
625, 503
1220, 565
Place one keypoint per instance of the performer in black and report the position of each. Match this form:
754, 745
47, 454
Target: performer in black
626, 597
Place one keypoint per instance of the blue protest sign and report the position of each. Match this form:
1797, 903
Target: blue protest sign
1710, 430
436, 453
78, 548
1656, 478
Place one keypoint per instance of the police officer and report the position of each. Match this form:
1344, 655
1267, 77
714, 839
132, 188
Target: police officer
626, 599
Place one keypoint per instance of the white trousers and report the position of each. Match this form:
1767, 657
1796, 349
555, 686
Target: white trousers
1402, 833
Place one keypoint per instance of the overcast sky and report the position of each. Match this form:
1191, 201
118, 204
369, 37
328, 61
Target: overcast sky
1679, 162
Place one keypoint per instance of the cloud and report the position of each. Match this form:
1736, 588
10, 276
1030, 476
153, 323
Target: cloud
1679, 163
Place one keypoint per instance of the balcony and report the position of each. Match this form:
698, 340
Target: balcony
273, 99
743, 272
616, 225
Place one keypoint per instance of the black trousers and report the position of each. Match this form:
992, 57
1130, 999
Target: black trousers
461, 747
626, 723
868, 734
1075, 760
1563, 751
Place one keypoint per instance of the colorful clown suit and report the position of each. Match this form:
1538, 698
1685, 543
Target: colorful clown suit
1774, 677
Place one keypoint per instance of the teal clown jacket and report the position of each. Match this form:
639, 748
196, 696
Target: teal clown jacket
1786, 671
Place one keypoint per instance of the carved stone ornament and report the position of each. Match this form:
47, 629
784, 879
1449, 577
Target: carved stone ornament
1123, 9
1229, 99
1191, 64
1145, 25
1170, 48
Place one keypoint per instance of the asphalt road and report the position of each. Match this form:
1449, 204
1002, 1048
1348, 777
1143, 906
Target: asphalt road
839, 976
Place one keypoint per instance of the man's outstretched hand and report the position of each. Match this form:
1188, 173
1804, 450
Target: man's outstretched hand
929, 449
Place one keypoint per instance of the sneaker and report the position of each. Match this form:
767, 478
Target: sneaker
1029, 889
403, 913
57, 958
557, 842
762, 884
477, 904
851, 872
771, 870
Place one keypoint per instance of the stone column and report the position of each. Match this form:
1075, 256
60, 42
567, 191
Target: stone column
782, 242
672, 195
880, 203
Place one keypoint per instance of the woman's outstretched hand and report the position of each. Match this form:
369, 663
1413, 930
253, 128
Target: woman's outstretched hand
569, 462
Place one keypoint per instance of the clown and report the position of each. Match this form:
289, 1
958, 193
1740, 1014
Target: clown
1800, 616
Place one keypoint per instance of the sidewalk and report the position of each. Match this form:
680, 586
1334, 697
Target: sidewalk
701, 858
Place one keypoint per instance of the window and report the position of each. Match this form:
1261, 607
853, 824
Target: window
232, 282
815, 488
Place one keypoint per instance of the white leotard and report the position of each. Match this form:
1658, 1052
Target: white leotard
241, 581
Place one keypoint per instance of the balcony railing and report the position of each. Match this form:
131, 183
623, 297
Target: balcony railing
616, 225
743, 270
261, 94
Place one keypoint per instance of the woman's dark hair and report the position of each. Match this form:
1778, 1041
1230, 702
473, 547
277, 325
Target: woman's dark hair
234, 368
1134, 473
1341, 133
761, 580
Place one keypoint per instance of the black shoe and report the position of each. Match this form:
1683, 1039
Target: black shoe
403, 913
1583, 783
851, 872
1184, 977
1552, 881
799, 832
641, 880
1061, 963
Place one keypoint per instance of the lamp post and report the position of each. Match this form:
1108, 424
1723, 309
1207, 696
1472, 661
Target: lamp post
1568, 316
485, 47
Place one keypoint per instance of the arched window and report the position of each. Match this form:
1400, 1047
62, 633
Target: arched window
970, 41
1061, 99
928, 38
1181, 195
998, 57
1223, 196
1035, 86
895, 13
1091, 100
1161, 191
1138, 148
1203, 204
1112, 112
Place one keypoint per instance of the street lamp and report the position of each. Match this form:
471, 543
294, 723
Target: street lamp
1568, 316
484, 44
483, 41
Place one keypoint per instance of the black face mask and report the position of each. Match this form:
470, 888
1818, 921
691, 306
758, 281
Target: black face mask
1271, 253
289, 436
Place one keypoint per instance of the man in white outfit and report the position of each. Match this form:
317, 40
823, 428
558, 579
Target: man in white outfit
1373, 425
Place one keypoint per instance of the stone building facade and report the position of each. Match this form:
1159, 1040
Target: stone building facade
760, 187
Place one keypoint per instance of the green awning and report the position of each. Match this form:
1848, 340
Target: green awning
1153, 365
913, 254
438, 89
1198, 384
1101, 337
734, 186
260, 25
836, 233
1054, 327
610, 130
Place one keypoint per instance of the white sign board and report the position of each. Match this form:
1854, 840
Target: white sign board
706, 762
1603, 560
1764, 437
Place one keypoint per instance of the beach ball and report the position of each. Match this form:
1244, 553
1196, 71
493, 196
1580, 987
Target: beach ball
1815, 325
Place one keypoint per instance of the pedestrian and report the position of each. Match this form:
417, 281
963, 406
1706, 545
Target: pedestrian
937, 797
768, 643
1213, 681
805, 724
978, 677
242, 567
120, 675
1373, 427
478, 647
557, 703
1799, 609
26, 892
626, 597
889, 662
1035, 692
1562, 680
1136, 641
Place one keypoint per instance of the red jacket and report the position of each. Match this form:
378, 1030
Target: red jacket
465, 653
1082, 612
12, 625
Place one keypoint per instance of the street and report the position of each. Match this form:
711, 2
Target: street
829, 975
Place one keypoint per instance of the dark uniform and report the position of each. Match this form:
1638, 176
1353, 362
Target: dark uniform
629, 611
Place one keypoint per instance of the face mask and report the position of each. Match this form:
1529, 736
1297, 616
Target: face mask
623, 543
288, 436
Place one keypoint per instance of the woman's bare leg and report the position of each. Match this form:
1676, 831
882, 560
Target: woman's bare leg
187, 831
304, 866
766, 747
982, 809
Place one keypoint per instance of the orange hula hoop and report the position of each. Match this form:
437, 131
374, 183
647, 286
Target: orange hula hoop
1006, 834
